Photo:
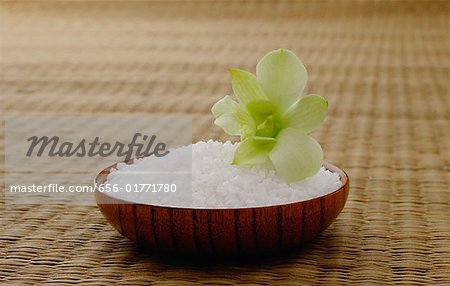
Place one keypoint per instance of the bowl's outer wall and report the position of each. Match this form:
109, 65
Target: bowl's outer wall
222, 231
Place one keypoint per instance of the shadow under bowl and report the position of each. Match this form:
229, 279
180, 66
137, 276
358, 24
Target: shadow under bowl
222, 232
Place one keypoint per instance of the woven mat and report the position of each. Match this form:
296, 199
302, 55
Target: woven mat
383, 65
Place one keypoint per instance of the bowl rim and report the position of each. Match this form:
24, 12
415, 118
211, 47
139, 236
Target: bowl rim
106, 171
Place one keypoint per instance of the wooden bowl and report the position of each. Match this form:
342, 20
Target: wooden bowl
222, 232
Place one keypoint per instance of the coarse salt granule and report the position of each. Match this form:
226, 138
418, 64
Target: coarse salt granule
218, 184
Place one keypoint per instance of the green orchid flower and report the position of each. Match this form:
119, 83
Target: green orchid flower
271, 119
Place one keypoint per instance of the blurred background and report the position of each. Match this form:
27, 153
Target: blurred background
383, 66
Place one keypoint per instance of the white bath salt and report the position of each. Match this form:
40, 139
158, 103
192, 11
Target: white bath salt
215, 182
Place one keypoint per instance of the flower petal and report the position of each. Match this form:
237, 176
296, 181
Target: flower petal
296, 156
225, 105
253, 151
307, 113
282, 76
237, 123
260, 110
245, 86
